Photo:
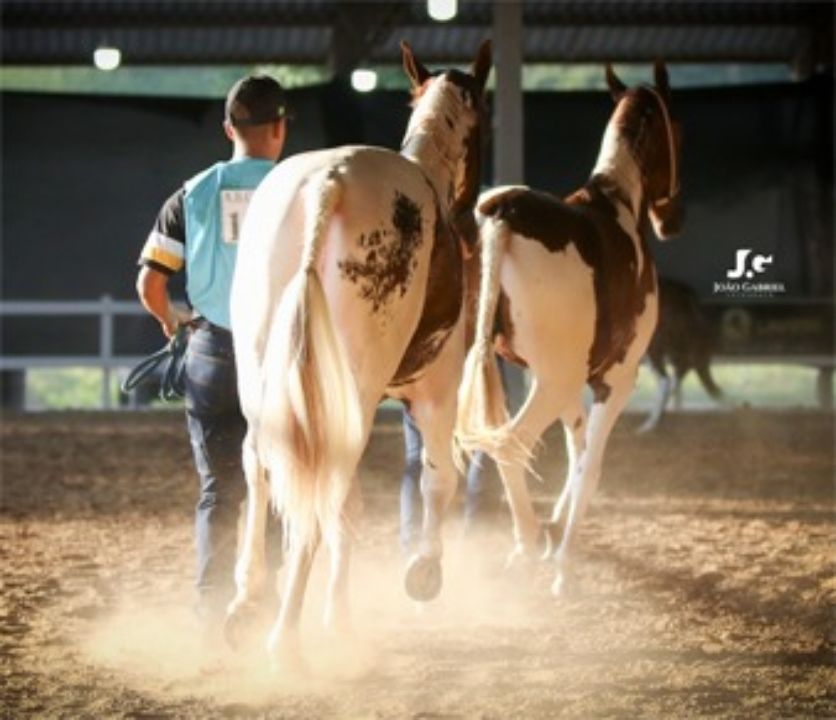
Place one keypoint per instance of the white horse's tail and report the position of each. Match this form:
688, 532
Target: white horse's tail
482, 422
311, 420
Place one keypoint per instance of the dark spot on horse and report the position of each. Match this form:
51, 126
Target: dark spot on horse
442, 304
431, 465
449, 121
406, 217
390, 258
600, 391
373, 239
578, 423
503, 329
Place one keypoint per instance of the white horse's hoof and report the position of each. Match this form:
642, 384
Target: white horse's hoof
552, 535
287, 660
423, 578
565, 583
521, 557
647, 427
240, 622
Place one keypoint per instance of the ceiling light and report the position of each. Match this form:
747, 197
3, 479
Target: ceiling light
107, 58
442, 10
364, 80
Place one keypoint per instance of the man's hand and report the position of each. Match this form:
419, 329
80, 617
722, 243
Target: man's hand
175, 316
152, 288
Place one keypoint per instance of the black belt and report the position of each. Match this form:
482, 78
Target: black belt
202, 323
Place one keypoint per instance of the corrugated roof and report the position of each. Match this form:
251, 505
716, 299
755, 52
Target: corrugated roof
308, 31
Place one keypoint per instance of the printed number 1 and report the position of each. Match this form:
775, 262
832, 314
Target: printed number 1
234, 205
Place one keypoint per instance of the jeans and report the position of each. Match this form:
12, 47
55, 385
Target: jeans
476, 488
216, 430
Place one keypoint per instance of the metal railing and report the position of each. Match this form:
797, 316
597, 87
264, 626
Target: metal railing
106, 308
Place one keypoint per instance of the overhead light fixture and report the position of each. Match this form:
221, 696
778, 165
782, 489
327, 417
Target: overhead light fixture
442, 10
107, 58
364, 80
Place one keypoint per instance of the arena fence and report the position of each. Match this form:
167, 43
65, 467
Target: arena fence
106, 308
109, 362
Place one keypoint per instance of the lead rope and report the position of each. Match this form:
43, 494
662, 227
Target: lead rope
173, 353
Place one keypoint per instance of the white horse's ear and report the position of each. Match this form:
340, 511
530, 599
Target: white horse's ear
481, 67
617, 88
413, 67
660, 75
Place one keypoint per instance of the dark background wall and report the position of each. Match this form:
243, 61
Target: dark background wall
83, 178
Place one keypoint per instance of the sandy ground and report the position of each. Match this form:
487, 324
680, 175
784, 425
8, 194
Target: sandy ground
705, 586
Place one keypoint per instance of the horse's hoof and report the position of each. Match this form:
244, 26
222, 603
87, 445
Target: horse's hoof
552, 533
558, 587
239, 623
565, 585
423, 578
232, 631
287, 660
521, 561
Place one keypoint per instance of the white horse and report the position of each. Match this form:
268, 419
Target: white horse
348, 287
568, 289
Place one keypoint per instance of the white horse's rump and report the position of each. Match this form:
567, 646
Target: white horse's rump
569, 289
347, 288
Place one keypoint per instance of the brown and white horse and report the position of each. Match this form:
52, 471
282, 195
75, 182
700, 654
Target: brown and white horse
568, 289
348, 287
685, 338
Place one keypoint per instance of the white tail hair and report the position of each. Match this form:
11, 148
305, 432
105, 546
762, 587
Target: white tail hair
482, 422
311, 429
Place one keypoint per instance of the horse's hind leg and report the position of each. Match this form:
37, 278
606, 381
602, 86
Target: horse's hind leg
337, 614
656, 364
541, 409
283, 641
574, 428
582, 485
432, 403
250, 569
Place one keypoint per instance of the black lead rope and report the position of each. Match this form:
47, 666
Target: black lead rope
173, 354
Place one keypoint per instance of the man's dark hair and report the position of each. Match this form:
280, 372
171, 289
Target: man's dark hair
255, 100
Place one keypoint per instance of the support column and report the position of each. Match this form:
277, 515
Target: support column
824, 388
508, 158
508, 155
13, 390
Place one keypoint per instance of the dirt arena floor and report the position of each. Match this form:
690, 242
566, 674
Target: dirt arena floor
705, 586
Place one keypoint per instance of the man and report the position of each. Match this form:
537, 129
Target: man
197, 230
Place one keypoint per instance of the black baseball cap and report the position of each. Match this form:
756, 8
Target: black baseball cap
255, 100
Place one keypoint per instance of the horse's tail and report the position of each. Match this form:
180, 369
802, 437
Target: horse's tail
703, 368
482, 421
311, 420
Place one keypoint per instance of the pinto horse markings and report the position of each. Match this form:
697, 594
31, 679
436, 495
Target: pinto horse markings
587, 220
390, 257
568, 288
348, 288
442, 306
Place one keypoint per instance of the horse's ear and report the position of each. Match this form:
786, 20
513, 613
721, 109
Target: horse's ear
416, 72
660, 75
481, 67
617, 88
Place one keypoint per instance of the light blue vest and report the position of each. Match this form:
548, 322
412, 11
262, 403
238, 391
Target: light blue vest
214, 206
